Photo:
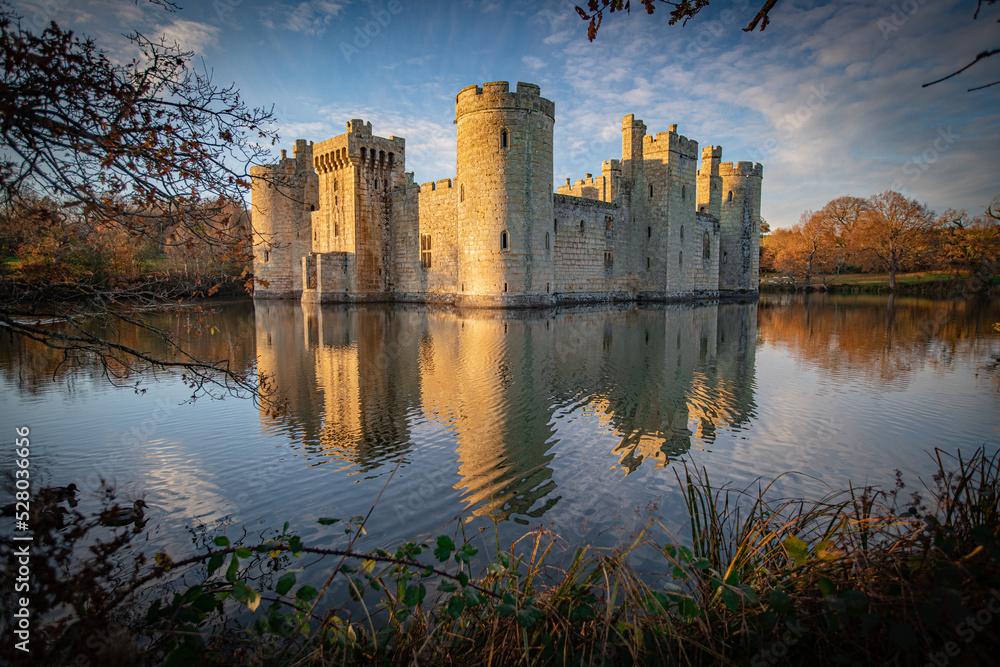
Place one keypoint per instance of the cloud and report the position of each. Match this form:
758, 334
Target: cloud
190, 35
309, 18
533, 62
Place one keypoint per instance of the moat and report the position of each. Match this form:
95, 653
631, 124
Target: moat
573, 419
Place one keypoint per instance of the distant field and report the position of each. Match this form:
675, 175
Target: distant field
870, 281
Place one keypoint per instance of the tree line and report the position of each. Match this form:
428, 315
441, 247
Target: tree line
884, 233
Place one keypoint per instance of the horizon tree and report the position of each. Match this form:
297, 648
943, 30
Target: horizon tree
894, 232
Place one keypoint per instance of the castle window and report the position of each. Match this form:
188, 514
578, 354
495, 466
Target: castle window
364, 155
608, 260
461, 192
504, 241
647, 263
725, 257
609, 224
706, 247
267, 255
425, 251
555, 225
680, 258
682, 232
730, 195
336, 229
650, 190
334, 185
334, 200
376, 184
504, 139
684, 192
505, 289
546, 241
581, 226
391, 160
649, 232
701, 209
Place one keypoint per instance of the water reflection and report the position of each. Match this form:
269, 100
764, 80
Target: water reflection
363, 383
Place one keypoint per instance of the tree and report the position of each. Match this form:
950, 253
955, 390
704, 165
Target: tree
804, 250
128, 151
685, 10
972, 244
682, 12
893, 232
839, 219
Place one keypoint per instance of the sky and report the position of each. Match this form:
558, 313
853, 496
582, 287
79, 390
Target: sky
828, 97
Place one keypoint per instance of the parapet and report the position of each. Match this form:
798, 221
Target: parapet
670, 141
741, 169
497, 95
358, 126
611, 165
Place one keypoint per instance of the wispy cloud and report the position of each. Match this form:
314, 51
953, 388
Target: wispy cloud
309, 18
190, 35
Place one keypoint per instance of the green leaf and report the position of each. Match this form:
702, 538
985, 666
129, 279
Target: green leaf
215, 562
221, 541
280, 625
414, 595
349, 569
472, 597
796, 549
505, 609
444, 548
528, 616
285, 583
780, 602
295, 544
206, 603
456, 604
243, 552
193, 593
234, 569
306, 593
730, 598
826, 587
465, 553
447, 586
327, 521
463, 578
701, 564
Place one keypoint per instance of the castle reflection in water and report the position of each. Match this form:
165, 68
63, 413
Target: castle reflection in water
363, 383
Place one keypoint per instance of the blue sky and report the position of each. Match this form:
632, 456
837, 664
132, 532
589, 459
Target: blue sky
828, 97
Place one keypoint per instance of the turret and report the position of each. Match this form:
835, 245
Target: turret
633, 132
282, 196
740, 227
505, 219
709, 182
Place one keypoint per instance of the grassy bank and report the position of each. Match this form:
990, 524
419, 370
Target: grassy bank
934, 283
865, 576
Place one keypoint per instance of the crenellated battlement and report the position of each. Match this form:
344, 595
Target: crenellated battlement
742, 169
358, 147
670, 141
497, 95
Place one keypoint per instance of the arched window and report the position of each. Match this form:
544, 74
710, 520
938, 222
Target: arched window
682, 232
650, 190
555, 225
725, 257
680, 258
461, 192
334, 200
730, 195
334, 185
267, 255
546, 241
504, 139
706, 247
504, 240
376, 184
581, 226
684, 192
649, 232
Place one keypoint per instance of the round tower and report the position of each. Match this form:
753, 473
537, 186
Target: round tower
739, 226
506, 244
282, 197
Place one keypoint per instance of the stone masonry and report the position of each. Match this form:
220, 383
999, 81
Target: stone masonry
341, 221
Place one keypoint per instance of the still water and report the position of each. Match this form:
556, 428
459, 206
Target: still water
572, 419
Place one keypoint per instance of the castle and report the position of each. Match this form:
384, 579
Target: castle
341, 221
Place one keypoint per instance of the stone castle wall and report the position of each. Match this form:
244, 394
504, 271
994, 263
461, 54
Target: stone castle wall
349, 224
